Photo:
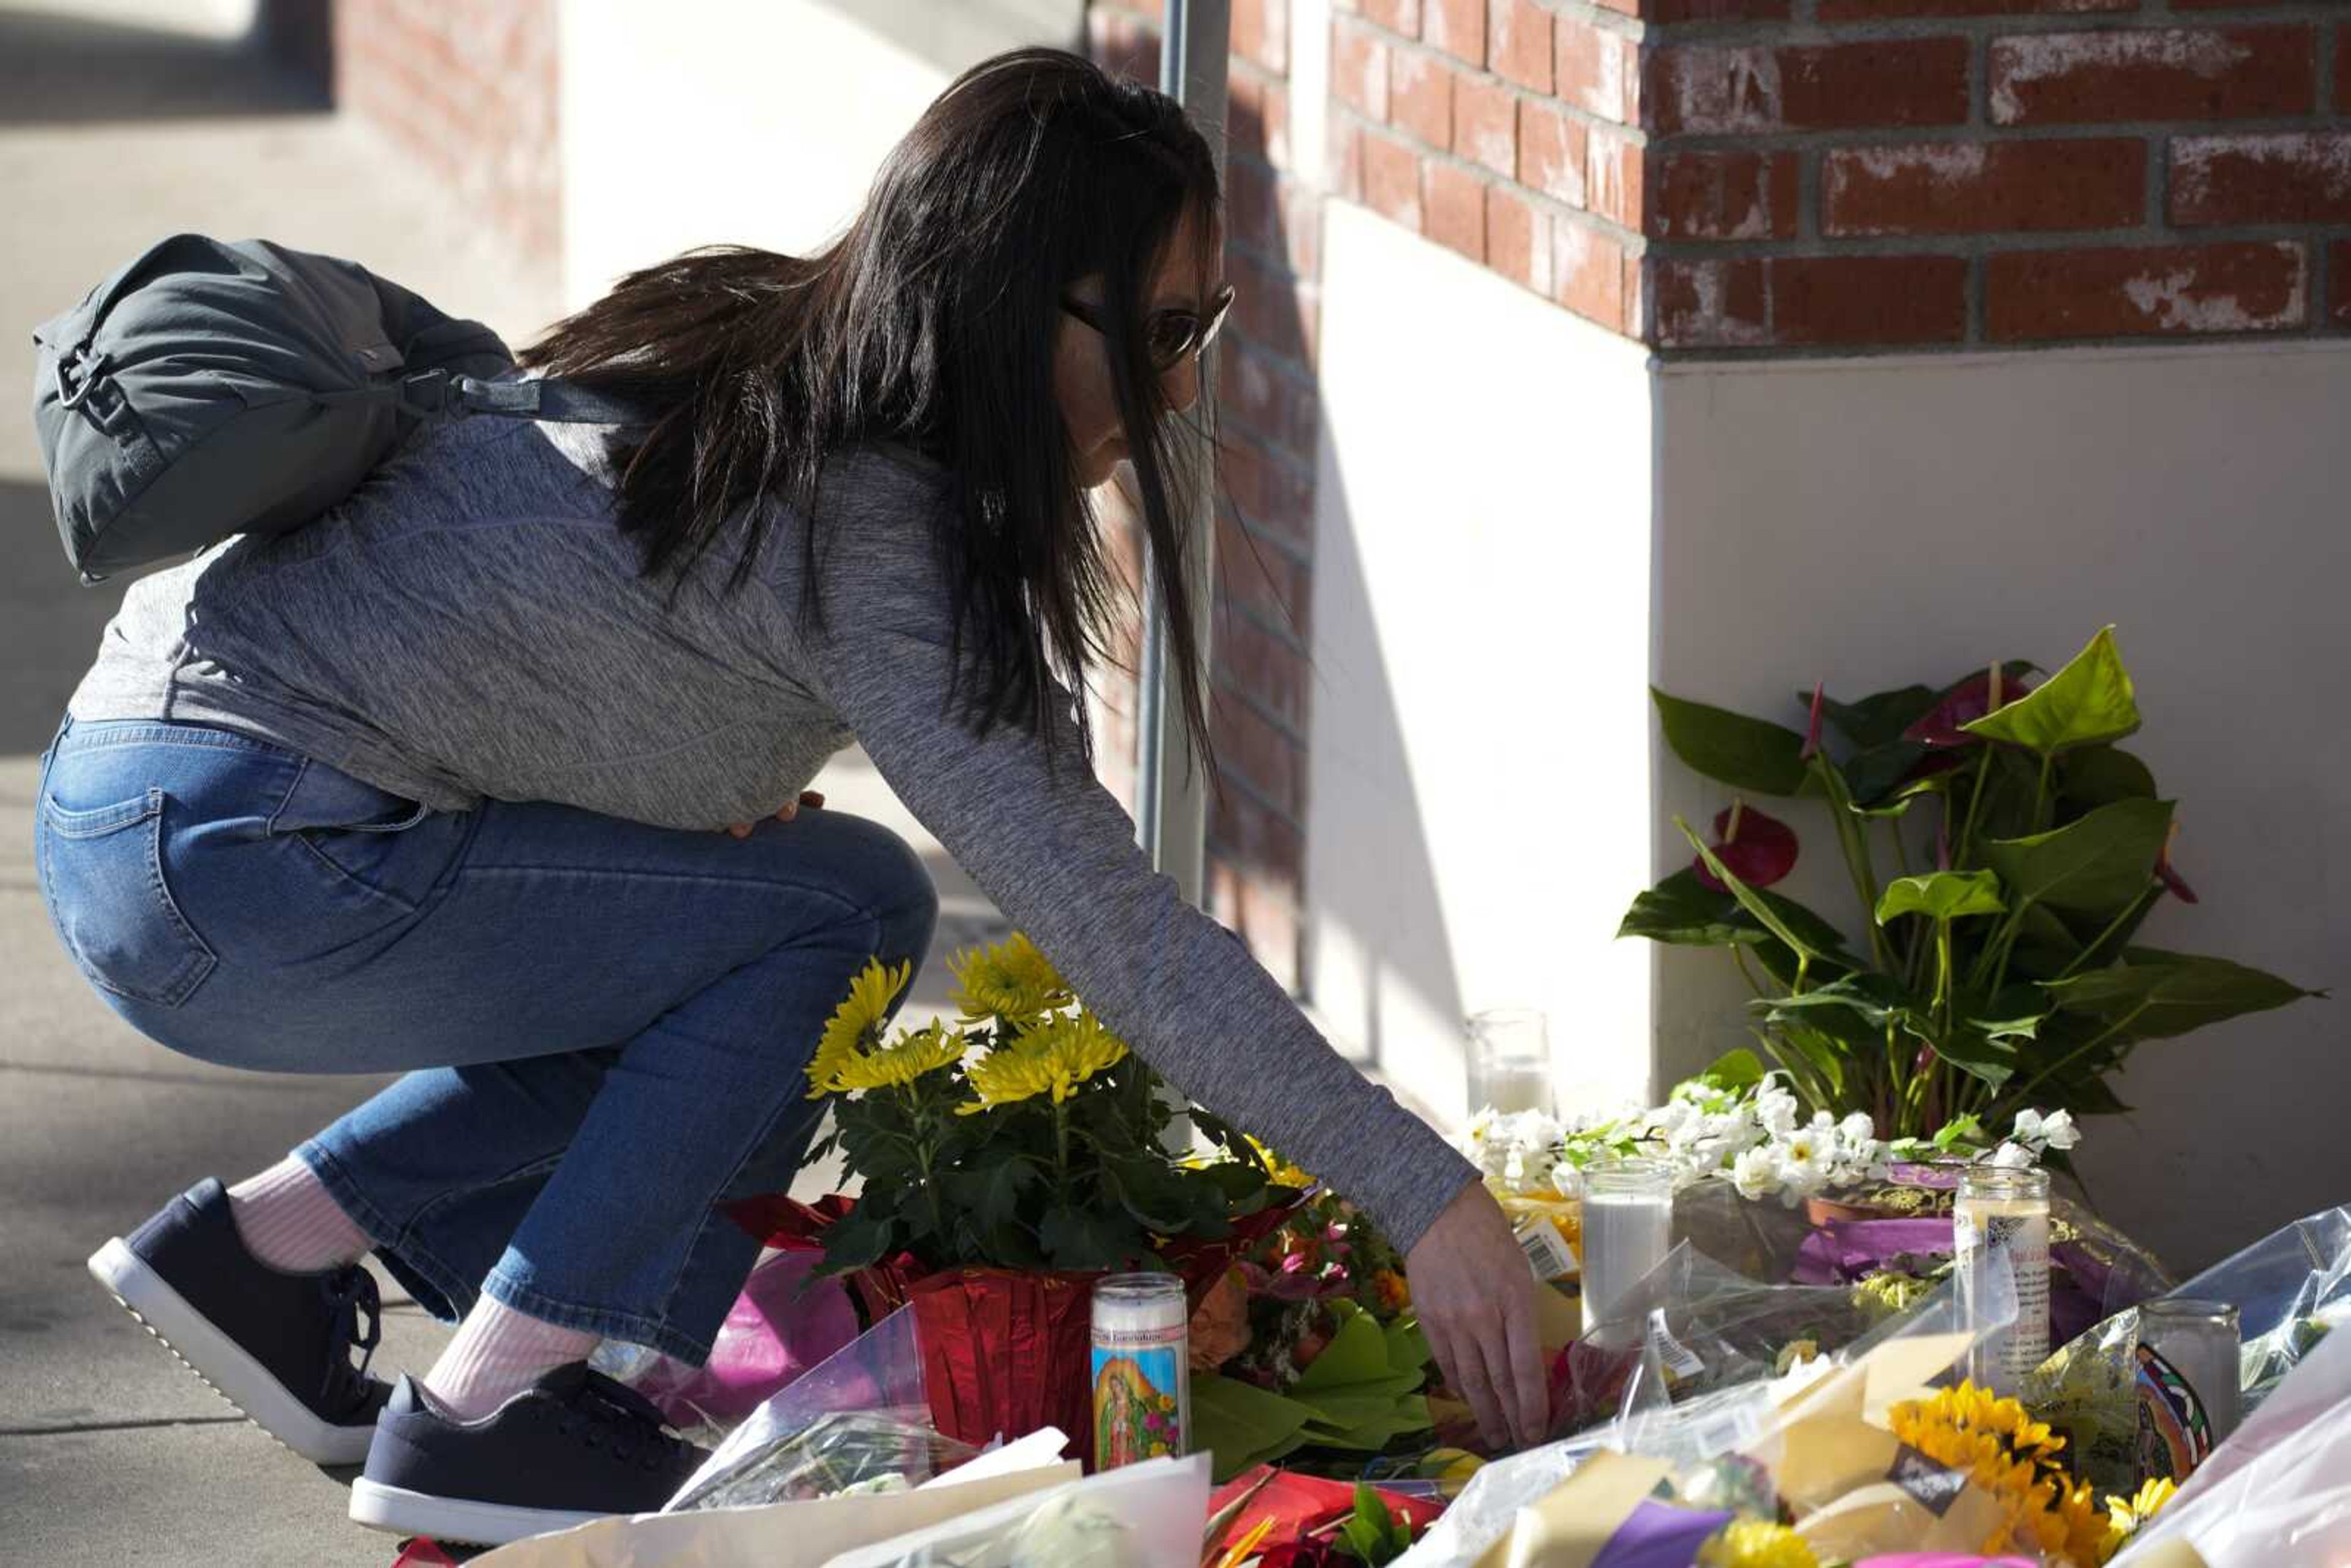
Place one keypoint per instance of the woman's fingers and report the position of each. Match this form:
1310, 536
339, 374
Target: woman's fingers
740, 829
784, 813
812, 797
1473, 1377
1523, 1348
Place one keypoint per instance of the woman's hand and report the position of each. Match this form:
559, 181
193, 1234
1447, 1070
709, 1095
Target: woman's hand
1474, 1294
808, 797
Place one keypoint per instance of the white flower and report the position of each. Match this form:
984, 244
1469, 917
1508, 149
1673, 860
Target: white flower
1756, 1171
2011, 1157
2057, 1128
1799, 1177
1857, 1130
1775, 1108
2028, 1128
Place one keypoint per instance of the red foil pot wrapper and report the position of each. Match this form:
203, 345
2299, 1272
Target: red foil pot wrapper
1004, 1350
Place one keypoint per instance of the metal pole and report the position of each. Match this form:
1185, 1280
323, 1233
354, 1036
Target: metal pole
1171, 792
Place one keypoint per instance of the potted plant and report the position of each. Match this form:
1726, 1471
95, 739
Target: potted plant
1006, 1160
2003, 851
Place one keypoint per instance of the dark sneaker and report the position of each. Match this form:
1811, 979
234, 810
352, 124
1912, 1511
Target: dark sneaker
573, 1446
275, 1346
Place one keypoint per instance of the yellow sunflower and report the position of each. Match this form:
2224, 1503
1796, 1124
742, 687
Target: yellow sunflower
1053, 1058
856, 1025
2014, 1458
1012, 981
894, 1066
2126, 1516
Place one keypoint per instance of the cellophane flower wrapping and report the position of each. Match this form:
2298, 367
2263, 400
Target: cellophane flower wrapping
2279, 1490
783, 1323
2290, 1288
859, 1422
1147, 1515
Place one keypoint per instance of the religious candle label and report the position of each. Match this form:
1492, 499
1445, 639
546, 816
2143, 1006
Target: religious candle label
2019, 1232
1142, 1392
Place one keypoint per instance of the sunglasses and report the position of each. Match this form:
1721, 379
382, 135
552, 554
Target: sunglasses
1170, 337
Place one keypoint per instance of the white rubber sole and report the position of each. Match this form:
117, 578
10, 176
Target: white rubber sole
453, 1519
224, 1366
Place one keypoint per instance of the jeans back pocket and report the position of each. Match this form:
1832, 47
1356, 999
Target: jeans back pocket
102, 878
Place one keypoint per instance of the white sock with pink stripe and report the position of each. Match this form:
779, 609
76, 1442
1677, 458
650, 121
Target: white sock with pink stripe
497, 1353
289, 1220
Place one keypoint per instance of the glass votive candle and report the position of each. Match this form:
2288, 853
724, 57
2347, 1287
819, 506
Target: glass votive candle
2187, 1377
2003, 1214
1628, 1227
1509, 1060
1141, 1369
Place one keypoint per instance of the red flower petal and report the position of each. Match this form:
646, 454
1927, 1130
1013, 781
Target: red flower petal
1969, 700
1759, 850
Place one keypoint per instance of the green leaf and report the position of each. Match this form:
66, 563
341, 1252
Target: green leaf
1969, 1048
1879, 720
1942, 896
1872, 776
1089, 1239
861, 1237
1739, 1068
2101, 775
992, 1194
1745, 753
1357, 1351
2087, 702
2168, 994
1241, 1423
1685, 912
2097, 864
1764, 909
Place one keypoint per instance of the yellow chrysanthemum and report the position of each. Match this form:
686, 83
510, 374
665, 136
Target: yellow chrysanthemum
1052, 1058
1282, 1171
856, 1025
1752, 1543
894, 1066
1012, 981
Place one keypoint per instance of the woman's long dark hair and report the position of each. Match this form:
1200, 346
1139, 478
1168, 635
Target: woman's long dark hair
932, 322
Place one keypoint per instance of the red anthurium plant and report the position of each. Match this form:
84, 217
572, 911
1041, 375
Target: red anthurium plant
2003, 851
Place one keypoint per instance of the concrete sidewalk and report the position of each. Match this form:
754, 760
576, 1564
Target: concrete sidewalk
112, 135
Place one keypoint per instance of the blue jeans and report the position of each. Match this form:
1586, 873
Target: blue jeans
603, 1025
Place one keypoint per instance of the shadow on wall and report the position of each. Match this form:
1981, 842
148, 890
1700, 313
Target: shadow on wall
78, 70
49, 623
1379, 915
1364, 867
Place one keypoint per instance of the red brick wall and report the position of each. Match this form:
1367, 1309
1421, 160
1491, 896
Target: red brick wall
1264, 546
1761, 176
1504, 130
1855, 174
470, 88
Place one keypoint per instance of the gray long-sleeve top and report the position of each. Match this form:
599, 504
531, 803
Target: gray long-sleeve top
471, 623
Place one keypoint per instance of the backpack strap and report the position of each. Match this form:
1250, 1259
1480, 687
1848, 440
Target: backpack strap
439, 394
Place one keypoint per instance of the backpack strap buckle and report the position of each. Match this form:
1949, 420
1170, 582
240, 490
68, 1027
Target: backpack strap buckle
87, 367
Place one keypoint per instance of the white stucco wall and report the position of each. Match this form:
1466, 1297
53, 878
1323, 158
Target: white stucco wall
707, 121
1877, 522
1480, 623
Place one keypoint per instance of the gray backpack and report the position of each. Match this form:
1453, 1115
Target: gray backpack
214, 388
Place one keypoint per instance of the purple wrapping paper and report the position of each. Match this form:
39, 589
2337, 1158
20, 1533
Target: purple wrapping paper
1659, 1535
1843, 1251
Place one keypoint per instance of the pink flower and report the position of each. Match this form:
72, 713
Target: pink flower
1756, 848
1813, 730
